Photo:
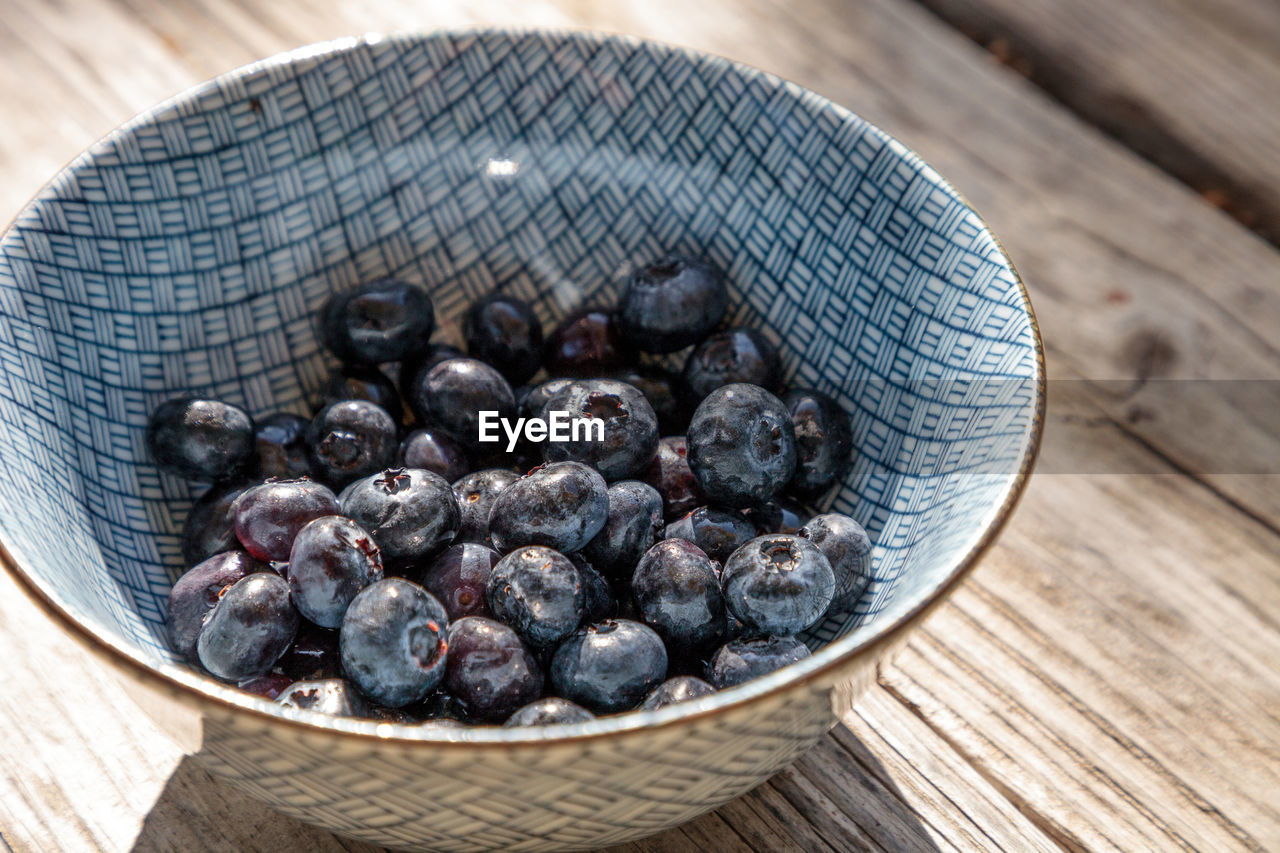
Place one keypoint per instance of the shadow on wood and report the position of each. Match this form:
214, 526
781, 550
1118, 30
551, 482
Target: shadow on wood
837, 798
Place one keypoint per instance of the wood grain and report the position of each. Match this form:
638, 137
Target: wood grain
1194, 86
1108, 680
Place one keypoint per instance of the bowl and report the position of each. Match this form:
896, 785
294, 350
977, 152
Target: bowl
188, 250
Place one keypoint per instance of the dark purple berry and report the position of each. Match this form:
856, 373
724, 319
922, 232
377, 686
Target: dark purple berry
249, 628
586, 343
551, 711
197, 591
538, 592
824, 441
609, 667
410, 512
475, 494
736, 355
741, 446
200, 439
459, 579
778, 584
269, 516
847, 548
629, 438
434, 451
333, 558
598, 602
561, 505
332, 696
633, 525
280, 444
268, 686
669, 473
363, 382
742, 660
671, 304
451, 395
682, 688
393, 642
677, 588
718, 532
211, 527
504, 332
661, 388
350, 440
490, 670
778, 516
378, 321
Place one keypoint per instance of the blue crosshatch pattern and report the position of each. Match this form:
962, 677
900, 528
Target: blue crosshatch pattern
189, 252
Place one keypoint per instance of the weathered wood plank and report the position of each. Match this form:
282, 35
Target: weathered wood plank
1193, 86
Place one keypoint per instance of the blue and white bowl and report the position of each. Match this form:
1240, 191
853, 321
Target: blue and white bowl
189, 250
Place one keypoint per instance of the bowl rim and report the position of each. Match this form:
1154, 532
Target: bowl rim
822, 667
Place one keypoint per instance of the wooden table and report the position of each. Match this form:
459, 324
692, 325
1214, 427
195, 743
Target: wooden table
1110, 677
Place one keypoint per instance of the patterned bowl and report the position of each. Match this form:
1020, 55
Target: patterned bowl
188, 250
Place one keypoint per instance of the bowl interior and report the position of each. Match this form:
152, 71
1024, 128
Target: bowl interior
188, 251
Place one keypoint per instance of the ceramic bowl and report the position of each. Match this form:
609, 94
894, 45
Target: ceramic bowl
188, 251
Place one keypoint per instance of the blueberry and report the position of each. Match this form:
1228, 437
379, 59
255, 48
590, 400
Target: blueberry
351, 439
377, 321
280, 445
609, 667
587, 342
268, 686
672, 303
718, 532
561, 505
847, 548
632, 526
778, 516
742, 660
677, 589
434, 451
475, 494
737, 355
741, 445
489, 669
333, 558
393, 642
661, 388
199, 439
504, 332
682, 688
410, 512
197, 591
824, 441
598, 602
421, 360
211, 527
778, 584
551, 711
332, 696
630, 434
459, 578
269, 516
451, 395
363, 382
539, 593
533, 401
314, 654
669, 473
249, 628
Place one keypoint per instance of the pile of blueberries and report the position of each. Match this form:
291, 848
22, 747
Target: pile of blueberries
369, 563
